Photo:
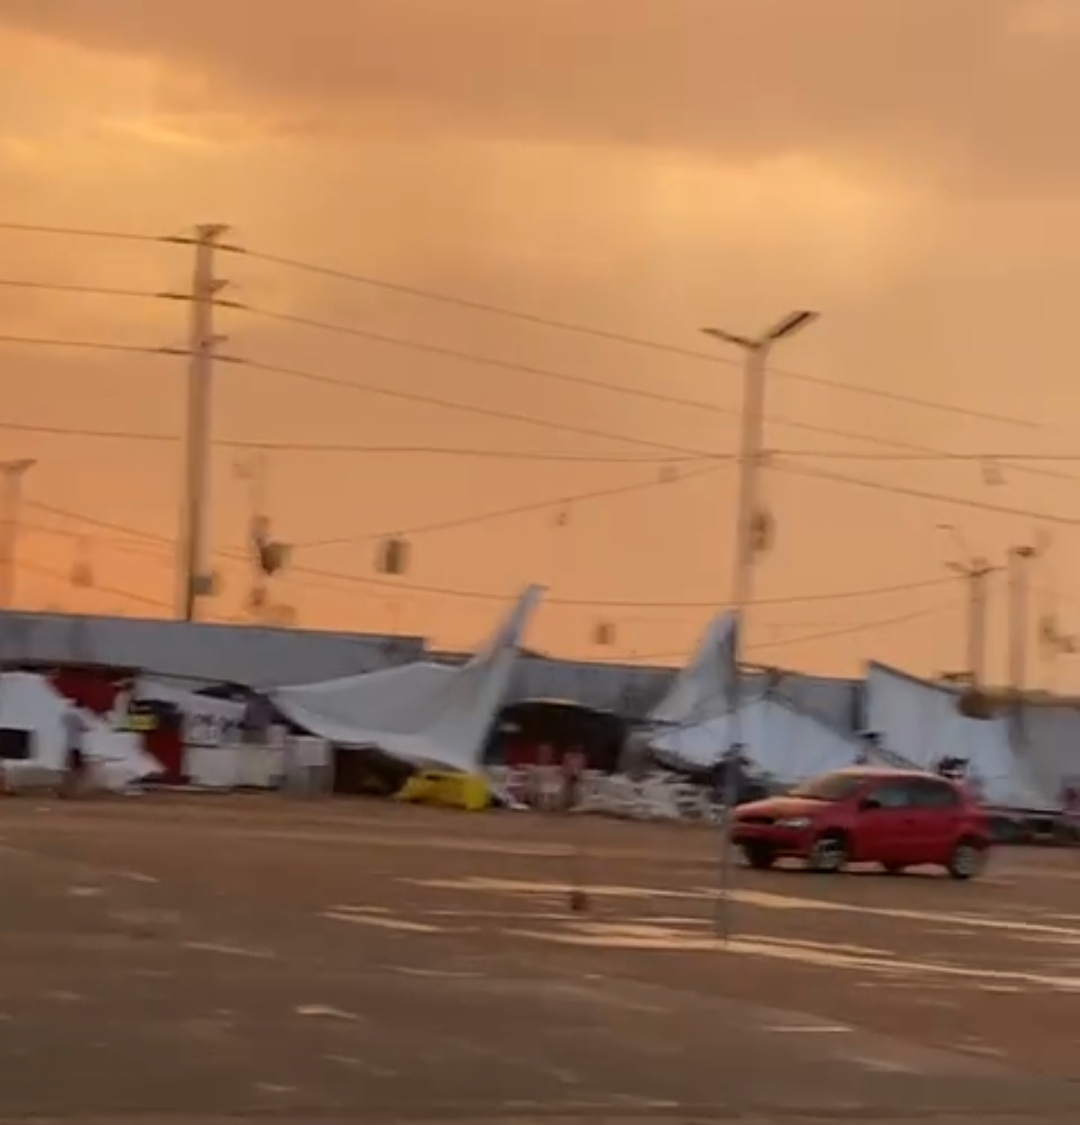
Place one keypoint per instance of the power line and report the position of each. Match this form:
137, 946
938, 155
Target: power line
548, 322
363, 388
82, 232
825, 635
624, 338
922, 494
542, 372
271, 446
467, 408
367, 388
481, 360
73, 287
81, 345
361, 448
517, 510
59, 576
865, 627
401, 588
93, 521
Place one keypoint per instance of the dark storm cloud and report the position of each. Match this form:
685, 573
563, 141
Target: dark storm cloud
980, 91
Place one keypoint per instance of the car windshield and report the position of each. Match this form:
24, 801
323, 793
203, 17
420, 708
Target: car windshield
831, 787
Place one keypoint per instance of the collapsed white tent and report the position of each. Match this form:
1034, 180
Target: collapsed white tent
207, 720
780, 742
30, 703
921, 723
705, 688
694, 724
423, 713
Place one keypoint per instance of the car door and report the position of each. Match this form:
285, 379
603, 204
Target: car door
937, 811
885, 824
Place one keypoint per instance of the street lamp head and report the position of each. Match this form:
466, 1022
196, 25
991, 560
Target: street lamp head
730, 338
792, 323
16, 468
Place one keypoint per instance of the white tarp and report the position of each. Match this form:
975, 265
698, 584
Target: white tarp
779, 741
920, 722
1051, 746
30, 702
422, 712
705, 688
206, 721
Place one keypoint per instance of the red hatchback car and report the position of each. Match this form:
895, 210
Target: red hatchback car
897, 818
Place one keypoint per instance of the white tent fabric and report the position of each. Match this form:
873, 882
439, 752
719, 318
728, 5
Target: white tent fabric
920, 722
705, 688
207, 721
29, 702
1052, 747
424, 713
779, 741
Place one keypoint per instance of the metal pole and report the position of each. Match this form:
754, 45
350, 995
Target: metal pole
756, 352
192, 559
1018, 581
13, 472
977, 622
749, 462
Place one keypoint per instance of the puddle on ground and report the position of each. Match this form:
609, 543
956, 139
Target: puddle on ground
382, 922
640, 936
762, 899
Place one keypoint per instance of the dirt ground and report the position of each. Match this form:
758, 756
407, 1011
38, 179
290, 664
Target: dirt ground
212, 959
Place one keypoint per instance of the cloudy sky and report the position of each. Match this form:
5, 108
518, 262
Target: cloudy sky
642, 167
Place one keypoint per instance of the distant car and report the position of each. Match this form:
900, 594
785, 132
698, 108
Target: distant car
897, 818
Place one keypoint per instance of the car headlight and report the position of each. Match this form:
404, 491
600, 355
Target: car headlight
794, 822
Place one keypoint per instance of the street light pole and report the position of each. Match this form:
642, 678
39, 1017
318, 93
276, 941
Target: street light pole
975, 570
13, 473
193, 579
756, 351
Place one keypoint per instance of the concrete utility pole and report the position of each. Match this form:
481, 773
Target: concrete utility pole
1019, 565
12, 473
193, 577
975, 570
748, 526
751, 451
253, 471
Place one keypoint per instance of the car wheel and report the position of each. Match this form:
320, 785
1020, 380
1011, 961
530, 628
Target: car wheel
894, 869
759, 856
967, 859
829, 853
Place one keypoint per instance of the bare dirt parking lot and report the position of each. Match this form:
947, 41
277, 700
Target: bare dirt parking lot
224, 958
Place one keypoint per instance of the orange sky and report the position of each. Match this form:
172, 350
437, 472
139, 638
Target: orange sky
642, 166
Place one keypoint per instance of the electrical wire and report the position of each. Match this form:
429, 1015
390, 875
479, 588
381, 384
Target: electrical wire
93, 521
548, 322
625, 338
478, 359
404, 589
852, 630
59, 576
483, 595
676, 453
82, 232
270, 446
824, 635
922, 494
466, 408
515, 510
361, 448
544, 372
72, 287
81, 345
